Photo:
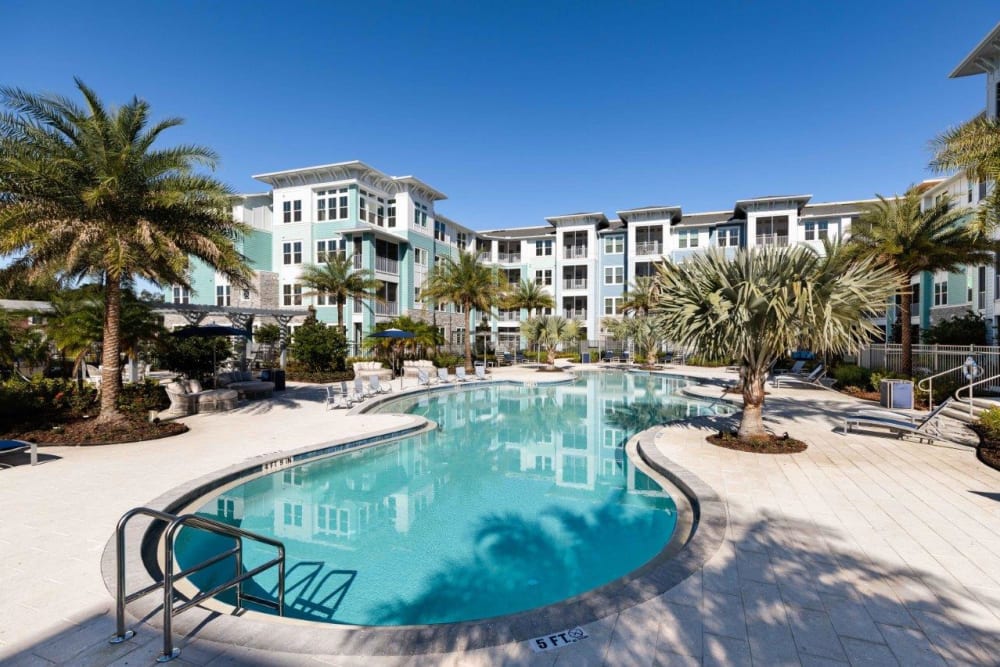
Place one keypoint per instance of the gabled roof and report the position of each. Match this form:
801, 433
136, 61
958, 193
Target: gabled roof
340, 171
668, 212
983, 58
578, 218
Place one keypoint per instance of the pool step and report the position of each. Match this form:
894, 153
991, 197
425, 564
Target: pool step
960, 409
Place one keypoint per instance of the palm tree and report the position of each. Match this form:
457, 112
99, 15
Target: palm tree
338, 279
529, 295
975, 148
549, 331
641, 296
86, 195
896, 233
467, 283
764, 302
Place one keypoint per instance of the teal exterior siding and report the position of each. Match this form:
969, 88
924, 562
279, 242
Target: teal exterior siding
257, 248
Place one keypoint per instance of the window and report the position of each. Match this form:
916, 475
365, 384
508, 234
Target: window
614, 275
461, 239
225, 508
968, 191
419, 215
329, 247
543, 248
380, 213
292, 294
981, 277
574, 469
941, 293
543, 277
292, 210
420, 256
292, 514
390, 214
729, 237
292, 477
915, 294
292, 252
324, 299
182, 294
612, 305
687, 238
817, 231
331, 204
439, 231
222, 295
245, 294
614, 245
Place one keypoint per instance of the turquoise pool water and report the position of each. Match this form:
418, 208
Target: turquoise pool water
522, 497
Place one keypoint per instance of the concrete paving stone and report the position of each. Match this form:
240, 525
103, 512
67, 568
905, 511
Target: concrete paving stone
634, 638
27, 660
726, 652
688, 592
954, 642
722, 614
816, 661
754, 566
814, 634
680, 630
851, 619
668, 659
911, 647
868, 654
768, 630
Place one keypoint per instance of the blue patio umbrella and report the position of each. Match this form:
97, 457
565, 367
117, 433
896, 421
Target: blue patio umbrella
393, 333
211, 331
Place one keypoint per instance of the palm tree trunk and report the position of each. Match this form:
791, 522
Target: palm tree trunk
906, 333
111, 352
752, 422
468, 347
340, 313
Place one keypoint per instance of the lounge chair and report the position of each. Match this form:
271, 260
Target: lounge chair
813, 378
899, 423
360, 392
338, 397
423, 379
481, 372
796, 369
376, 387
15, 446
443, 376
460, 374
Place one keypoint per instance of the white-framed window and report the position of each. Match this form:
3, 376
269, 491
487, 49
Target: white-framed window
331, 204
324, 299
225, 508
614, 438
941, 293
181, 294
543, 277
333, 520
292, 210
292, 294
439, 231
326, 248
614, 245
292, 477
380, 212
390, 213
687, 238
222, 295
292, 514
817, 230
461, 239
291, 252
614, 275
420, 256
574, 469
612, 305
543, 248
419, 215
729, 237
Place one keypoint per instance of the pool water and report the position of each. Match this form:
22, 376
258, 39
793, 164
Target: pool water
522, 497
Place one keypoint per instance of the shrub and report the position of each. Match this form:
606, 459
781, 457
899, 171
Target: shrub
852, 375
297, 372
43, 399
990, 421
319, 347
700, 360
138, 399
193, 356
448, 361
966, 329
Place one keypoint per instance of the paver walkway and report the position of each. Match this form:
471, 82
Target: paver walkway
862, 550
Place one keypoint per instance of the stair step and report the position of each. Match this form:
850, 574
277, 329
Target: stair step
961, 413
986, 403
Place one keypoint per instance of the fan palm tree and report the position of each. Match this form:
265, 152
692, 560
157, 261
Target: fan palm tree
86, 195
529, 295
467, 283
975, 148
765, 301
641, 296
897, 234
339, 280
549, 331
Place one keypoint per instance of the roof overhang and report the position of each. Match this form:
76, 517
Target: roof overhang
346, 171
984, 58
577, 218
672, 213
770, 203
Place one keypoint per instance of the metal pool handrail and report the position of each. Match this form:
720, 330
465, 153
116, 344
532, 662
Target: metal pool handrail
169, 576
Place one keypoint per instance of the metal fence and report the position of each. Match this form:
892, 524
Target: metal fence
930, 359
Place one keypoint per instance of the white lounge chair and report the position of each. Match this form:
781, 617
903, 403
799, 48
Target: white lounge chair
376, 387
360, 391
443, 376
460, 374
423, 379
899, 423
796, 369
813, 378
338, 397
481, 372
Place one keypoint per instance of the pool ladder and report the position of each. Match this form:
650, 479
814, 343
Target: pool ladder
174, 523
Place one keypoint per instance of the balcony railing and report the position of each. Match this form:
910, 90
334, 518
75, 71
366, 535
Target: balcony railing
510, 315
648, 248
510, 258
386, 265
357, 261
390, 308
771, 240
575, 314
574, 283
575, 252
484, 256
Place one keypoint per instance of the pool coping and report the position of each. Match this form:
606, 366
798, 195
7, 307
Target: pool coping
704, 515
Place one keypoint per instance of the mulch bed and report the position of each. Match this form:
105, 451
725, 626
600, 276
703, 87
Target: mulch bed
772, 444
548, 369
89, 432
988, 450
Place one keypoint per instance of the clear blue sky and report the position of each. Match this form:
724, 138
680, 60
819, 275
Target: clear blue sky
519, 110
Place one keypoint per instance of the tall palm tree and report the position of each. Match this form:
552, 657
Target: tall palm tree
764, 302
338, 279
975, 148
549, 331
641, 296
86, 195
529, 295
896, 233
467, 283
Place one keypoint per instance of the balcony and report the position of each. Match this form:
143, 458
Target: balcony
386, 265
575, 314
510, 258
357, 261
574, 283
771, 240
485, 256
575, 252
387, 308
648, 248
509, 316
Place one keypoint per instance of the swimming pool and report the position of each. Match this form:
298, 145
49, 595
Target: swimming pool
522, 497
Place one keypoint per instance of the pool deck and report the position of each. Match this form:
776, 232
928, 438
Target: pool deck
862, 550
